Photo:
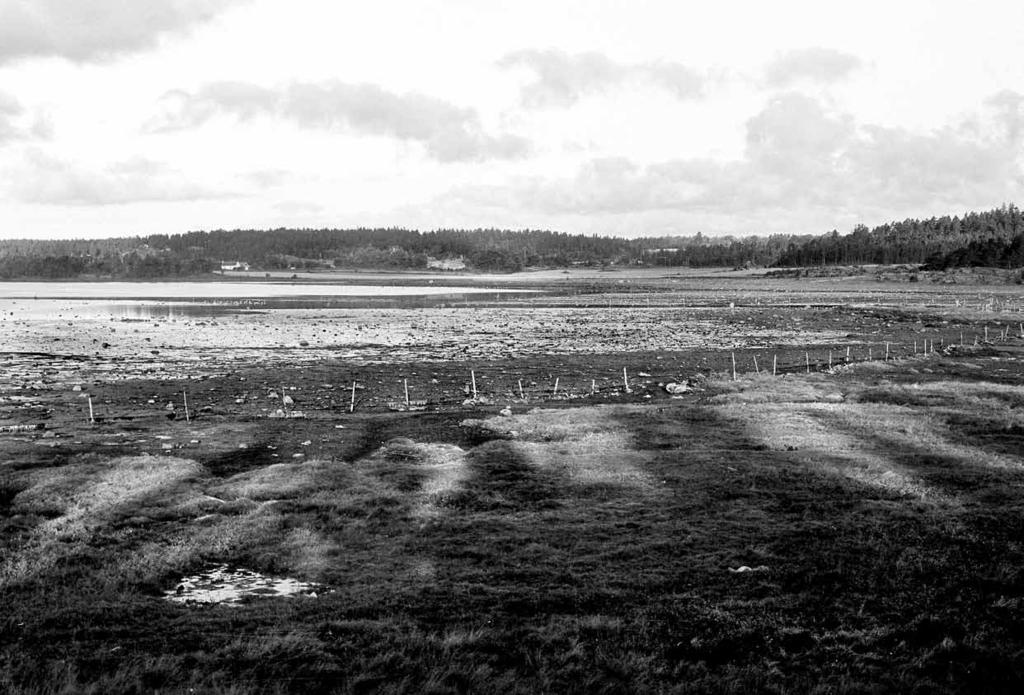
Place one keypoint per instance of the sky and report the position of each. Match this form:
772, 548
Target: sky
630, 118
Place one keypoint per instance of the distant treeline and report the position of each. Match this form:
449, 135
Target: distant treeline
995, 238
910, 241
45, 264
989, 253
308, 249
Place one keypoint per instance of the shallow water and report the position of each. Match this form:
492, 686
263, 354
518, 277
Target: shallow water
169, 300
224, 290
222, 584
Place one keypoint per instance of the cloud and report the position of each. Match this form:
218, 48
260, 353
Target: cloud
449, 133
9, 110
562, 79
800, 158
40, 178
298, 207
795, 137
17, 125
90, 30
267, 178
907, 169
813, 64
1009, 109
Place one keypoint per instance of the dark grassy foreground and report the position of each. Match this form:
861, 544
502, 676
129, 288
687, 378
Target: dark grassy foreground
588, 549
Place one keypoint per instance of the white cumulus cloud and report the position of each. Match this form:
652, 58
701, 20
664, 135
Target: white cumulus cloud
88, 30
448, 133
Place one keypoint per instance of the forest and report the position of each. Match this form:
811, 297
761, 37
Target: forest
990, 238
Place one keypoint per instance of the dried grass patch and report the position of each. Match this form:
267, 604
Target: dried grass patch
805, 429
588, 445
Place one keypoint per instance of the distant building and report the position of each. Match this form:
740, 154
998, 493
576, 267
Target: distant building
237, 265
446, 264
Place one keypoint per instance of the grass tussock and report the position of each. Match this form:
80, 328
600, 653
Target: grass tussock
765, 388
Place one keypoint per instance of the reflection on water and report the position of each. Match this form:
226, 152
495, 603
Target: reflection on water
101, 300
197, 291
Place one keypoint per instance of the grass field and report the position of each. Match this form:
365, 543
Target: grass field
878, 511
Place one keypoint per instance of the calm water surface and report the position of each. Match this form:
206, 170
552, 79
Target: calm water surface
161, 300
222, 290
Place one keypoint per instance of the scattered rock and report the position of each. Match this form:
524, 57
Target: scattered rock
22, 428
291, 415
744, 568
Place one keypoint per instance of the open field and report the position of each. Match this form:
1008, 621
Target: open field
853, 529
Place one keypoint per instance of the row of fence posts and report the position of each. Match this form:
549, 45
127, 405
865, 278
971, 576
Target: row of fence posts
927, 347
184, 400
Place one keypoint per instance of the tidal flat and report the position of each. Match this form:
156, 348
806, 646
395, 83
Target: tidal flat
501, 494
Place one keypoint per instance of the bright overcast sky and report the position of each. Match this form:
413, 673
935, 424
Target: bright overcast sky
123, 117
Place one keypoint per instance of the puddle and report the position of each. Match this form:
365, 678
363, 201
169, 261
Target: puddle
222, 584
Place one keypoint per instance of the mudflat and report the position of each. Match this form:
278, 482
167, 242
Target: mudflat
507, 495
